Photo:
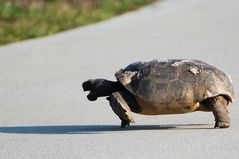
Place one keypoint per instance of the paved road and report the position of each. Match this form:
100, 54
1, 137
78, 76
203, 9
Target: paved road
44, 112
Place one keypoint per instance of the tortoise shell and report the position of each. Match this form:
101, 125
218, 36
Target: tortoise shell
174, 86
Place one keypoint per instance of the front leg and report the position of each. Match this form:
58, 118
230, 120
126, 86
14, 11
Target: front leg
121, 109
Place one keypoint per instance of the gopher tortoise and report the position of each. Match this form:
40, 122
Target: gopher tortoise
173, 86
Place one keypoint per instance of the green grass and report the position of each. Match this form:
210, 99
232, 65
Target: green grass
19, 20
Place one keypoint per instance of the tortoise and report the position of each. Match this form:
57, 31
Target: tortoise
172, 86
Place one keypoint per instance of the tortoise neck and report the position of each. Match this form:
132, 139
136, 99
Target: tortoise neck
114, 86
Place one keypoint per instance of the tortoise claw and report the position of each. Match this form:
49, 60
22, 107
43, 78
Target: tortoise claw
221, 124
124, 123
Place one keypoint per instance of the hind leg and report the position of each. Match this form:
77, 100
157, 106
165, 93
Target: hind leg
219, 106
121, 108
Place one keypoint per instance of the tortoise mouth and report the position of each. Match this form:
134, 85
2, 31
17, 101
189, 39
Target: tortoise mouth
92, 96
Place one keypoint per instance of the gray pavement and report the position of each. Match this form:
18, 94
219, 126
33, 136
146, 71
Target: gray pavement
44, 112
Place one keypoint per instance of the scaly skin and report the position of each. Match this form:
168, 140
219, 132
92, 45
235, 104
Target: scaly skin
219, 108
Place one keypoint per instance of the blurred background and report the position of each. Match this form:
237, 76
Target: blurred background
25, 19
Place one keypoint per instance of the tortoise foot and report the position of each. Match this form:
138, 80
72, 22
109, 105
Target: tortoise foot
222, 124
124, 123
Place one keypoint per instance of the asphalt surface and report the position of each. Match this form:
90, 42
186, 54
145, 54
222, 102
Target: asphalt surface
44, 112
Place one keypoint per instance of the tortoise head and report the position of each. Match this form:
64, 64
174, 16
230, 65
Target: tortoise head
99, 88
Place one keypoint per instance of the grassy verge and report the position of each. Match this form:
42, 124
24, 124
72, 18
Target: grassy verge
24, 19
